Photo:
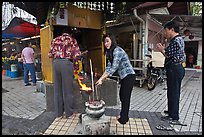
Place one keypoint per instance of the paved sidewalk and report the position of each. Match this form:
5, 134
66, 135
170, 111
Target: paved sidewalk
20, 102
150, 104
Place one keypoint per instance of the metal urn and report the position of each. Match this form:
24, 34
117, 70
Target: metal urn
95, 109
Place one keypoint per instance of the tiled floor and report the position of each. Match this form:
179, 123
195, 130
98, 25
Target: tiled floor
64, 126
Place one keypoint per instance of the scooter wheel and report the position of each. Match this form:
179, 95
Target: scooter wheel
151, 83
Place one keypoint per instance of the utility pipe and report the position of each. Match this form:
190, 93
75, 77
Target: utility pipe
142, 29
142, 36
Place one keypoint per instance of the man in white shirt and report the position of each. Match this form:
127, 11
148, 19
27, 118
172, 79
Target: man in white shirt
28, 64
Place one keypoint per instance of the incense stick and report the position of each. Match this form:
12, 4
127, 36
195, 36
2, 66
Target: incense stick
97, 94
92, 81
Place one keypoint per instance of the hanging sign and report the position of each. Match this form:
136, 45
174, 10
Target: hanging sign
62, 17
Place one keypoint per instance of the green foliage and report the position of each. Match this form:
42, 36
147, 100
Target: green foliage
6, 62
196, 8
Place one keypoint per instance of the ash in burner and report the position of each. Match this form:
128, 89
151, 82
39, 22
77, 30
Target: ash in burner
96, 103
95, 109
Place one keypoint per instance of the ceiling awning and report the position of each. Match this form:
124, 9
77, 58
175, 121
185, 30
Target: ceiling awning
192, 23
19, 28
37, 9
176, 8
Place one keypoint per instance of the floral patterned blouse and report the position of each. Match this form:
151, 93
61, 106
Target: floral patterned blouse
64, 46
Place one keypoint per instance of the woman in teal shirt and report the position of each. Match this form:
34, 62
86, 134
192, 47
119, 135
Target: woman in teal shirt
117, 60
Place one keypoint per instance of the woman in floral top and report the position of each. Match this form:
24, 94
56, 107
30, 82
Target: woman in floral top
64, 49
118, 61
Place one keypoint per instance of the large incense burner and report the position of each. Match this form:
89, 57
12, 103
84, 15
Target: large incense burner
95, 109
94, 106
94, 122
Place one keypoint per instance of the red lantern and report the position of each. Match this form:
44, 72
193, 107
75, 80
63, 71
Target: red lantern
191, 37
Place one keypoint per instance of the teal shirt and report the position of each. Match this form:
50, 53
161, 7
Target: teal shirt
121, 63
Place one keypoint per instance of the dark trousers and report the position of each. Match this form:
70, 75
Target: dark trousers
63, 87
175, 74
125, 94
20, 68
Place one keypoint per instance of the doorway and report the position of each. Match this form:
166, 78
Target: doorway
87, 39
191, 50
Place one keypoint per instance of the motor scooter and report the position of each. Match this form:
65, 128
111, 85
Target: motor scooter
154, 75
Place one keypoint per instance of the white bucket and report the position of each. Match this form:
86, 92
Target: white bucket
14, 67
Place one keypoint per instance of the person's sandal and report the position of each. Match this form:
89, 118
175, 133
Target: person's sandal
164, 128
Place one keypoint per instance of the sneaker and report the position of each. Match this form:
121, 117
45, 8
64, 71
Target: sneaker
27, 84
34, 84
177, 122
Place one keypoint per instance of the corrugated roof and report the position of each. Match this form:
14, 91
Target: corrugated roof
177, 8
192, 23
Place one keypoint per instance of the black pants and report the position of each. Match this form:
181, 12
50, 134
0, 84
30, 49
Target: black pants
125, 94
175, 73
63, 87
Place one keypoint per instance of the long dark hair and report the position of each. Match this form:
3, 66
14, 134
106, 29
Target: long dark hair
109, 52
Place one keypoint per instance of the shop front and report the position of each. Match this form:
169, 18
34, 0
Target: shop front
87, 26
